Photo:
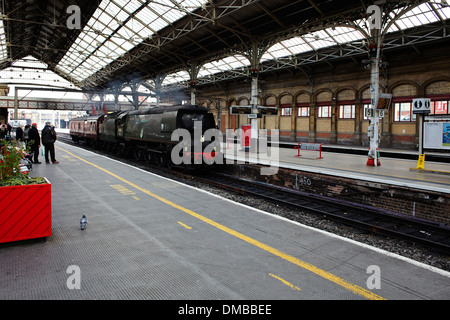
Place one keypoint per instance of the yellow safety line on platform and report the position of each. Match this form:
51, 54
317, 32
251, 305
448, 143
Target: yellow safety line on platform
285, 282
305, 265
186, 226
430, 171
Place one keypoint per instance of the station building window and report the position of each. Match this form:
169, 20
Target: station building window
347, 111
324, 112
403, 112
286, 111
303, 112
439, 107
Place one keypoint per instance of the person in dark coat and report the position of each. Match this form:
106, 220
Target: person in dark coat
25, 134
48, 140
34, 141
3, 131
19, 133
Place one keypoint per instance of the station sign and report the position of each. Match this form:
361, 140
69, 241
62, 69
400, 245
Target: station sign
421, 106
240, 110
268, 111
384, 101
261, 111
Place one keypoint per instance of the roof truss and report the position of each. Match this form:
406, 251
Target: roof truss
123, 40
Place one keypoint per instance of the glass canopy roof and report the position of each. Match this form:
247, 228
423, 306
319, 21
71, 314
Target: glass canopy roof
424, 14
313, 41
30, 71
119, 25
116, 27
337, 36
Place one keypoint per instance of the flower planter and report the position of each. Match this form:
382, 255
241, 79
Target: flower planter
25, 212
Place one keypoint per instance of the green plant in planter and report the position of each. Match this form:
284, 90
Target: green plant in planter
11, 153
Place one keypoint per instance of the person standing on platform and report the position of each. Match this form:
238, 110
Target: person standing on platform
3, 131
25, 134
19, 136
19, 133
48, 140
34, 141
9, 128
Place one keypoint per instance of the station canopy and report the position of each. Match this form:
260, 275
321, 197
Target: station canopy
119, 41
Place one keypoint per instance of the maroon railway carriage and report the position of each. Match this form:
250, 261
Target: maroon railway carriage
85, 128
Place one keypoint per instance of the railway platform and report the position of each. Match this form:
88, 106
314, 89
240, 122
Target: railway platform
397, 167
151, 238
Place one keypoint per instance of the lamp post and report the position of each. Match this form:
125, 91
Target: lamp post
254, 106
373, 131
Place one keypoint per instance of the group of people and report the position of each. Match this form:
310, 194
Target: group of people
5, 130
30, 135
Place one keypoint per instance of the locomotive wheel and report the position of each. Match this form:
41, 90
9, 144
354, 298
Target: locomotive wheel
168, 157
115, 148
162, 160
169, 162
138, 154
148, 157
127, 151
109, 147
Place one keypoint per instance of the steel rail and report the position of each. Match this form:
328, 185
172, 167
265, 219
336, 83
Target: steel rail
362, 217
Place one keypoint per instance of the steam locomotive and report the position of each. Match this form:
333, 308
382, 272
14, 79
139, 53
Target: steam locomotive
166, 136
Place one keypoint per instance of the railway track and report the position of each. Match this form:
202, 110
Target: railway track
368, 219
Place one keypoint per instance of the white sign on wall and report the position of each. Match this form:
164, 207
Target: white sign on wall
436, 135
421, 106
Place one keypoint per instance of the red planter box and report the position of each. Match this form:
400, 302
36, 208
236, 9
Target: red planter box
25, 212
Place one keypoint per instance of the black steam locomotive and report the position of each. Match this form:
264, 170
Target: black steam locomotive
176, 135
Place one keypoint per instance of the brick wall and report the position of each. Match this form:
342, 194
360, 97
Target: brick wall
410, 75
426, 205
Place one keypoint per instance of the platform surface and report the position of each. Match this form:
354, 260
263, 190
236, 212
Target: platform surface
394, 171
157, 239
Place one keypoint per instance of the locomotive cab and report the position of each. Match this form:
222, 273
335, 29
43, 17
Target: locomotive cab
108, 126
120, 122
